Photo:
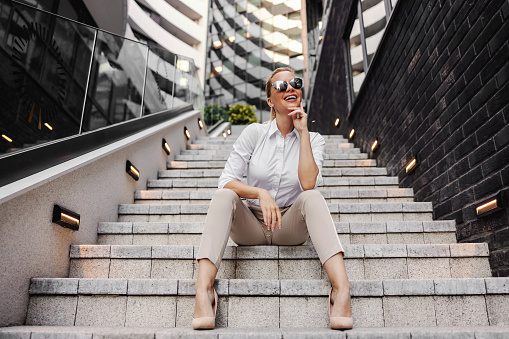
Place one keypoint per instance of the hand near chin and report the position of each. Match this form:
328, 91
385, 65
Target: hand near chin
270, 210
300, 118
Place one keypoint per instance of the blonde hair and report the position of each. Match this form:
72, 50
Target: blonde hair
268, 86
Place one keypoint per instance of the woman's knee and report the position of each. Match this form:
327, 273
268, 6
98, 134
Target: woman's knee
311, 195
224, 196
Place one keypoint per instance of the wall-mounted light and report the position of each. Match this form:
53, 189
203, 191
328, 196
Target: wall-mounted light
352, 134
375, 145
166, 147
132, 171
187, 133
336, 123
412, 164
231, 39
6, 138
491, 205
229, 131
218, 69
48, 126
217, 44
200, 123
66, 218
224, 135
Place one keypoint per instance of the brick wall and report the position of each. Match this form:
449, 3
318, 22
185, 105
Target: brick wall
439, 87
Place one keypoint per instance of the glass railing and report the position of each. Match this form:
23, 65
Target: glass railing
60, 78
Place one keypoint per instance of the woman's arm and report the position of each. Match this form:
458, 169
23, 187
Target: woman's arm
308, 170
270, 210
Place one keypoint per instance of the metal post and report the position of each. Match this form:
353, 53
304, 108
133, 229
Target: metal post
363, 37
88, 81
174, 79
144, 83
388, 10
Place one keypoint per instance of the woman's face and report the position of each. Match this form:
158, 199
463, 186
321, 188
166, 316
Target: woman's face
286, 101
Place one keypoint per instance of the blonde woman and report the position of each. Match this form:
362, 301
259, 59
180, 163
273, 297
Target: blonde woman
283, 162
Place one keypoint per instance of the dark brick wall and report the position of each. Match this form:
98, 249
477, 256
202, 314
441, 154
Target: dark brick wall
438, 86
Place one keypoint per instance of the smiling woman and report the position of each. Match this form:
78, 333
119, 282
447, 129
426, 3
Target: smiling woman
282, 161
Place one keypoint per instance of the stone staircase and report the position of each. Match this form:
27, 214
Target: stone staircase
409, 277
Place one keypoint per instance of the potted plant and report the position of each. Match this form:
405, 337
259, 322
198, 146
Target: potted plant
240, 116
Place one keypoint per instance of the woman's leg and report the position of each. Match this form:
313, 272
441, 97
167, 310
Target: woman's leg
310, 216
227, 214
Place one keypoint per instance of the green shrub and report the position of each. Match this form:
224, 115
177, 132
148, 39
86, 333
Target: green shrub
214, 113
242, 114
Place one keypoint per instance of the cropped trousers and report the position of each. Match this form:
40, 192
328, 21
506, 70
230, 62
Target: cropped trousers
229, 216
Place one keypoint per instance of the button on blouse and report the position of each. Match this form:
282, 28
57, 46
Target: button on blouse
271, 162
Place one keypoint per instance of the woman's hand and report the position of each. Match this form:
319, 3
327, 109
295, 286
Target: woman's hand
270, 210
300, 118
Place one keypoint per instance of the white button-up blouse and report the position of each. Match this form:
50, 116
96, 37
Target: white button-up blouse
271, 161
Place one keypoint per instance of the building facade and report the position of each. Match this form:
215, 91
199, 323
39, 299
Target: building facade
247, 40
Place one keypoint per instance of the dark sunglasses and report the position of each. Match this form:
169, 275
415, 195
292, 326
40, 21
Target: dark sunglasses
282, 85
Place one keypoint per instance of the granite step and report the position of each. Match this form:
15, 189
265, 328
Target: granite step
413, 232
327, 163
328, 182
350, 195
385, 261
156, 332
347, 212
326, 172
268, 303
229, 142
227, 151
351, 153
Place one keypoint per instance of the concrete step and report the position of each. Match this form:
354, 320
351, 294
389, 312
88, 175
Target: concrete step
229, 143
227, 151
268, 303
389, 261
129, 233
328, 182
220, 164
347, 212
345, 155
326, 172
151, 332
342, 195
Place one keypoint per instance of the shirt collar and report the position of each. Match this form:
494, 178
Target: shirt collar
273, 129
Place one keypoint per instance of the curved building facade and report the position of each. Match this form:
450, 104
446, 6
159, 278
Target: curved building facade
247, 40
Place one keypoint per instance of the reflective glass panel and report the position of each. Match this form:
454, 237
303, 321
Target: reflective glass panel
116, 83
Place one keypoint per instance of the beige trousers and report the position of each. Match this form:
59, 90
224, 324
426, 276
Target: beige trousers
229, 216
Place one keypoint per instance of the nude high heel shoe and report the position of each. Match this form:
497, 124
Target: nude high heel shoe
206, 323
339, 323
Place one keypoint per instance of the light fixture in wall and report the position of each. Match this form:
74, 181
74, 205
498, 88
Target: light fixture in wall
218, 69
231, 39
491, 205
224, 135
412, 165
375, 145
229, 131
200, 123
187, 133
217, 44
6, 138
336, 123
48, 126
66, 218
352, 134
166, 147
132, 170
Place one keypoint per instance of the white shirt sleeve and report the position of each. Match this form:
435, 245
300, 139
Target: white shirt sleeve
239, 158
318, 149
